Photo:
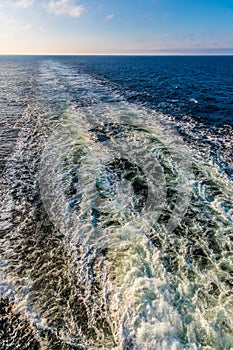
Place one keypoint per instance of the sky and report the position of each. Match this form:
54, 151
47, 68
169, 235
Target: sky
124, 27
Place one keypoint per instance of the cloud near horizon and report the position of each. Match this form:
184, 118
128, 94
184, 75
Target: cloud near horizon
64, 7
25, 3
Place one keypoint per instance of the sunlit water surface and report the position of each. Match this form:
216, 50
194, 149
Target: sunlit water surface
116, 204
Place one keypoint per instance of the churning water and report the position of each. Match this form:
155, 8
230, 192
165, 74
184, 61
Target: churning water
116, 210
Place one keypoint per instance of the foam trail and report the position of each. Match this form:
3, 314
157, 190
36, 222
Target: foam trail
105, 232
139, 300
138, 257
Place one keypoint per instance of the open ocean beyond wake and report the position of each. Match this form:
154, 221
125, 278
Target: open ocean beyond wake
116, 201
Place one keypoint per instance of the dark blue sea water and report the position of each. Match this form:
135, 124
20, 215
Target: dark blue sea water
171, 84
116, 202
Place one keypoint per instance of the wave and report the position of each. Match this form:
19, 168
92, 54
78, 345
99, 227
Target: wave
129, 242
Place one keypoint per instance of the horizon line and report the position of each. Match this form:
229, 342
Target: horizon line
200, 51
119, 54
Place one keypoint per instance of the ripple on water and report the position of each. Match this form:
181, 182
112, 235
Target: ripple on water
87, 263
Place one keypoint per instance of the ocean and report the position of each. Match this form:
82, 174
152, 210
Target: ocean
116, 202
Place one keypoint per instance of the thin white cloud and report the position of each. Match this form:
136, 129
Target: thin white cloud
109, 17
64, 7
25, 3
43, 30
27, 26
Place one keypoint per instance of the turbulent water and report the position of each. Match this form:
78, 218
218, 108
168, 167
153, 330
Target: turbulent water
116, 203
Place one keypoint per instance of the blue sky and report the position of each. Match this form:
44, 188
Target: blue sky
116, 26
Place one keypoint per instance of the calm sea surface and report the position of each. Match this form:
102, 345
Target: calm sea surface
116, 203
